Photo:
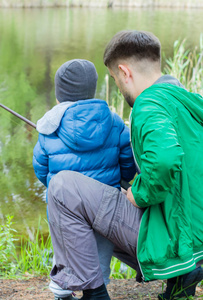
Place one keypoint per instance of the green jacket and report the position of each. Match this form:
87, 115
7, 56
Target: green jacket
167, 140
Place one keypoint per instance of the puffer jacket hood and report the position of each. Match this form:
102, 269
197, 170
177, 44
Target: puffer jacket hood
65, 117
93, 125
50, 122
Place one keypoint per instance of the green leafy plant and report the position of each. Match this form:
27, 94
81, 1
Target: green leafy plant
32, 256
35, 255
8, 254
121, 271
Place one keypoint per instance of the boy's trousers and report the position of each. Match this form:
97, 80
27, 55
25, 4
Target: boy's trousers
78, 205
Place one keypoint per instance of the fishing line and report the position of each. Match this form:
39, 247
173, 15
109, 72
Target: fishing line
33, 133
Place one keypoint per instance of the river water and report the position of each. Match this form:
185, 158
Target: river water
33, 44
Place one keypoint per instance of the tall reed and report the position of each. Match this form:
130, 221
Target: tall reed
187, 65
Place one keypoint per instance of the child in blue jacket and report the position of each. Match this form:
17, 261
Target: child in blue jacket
81, 134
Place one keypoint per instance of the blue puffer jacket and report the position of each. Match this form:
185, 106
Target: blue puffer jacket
90, 139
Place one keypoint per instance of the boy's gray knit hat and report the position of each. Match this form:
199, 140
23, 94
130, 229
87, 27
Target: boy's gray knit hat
76, 80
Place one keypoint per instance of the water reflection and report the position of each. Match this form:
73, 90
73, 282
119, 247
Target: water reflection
33, 44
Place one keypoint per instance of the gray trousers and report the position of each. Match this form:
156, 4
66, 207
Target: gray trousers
78, 206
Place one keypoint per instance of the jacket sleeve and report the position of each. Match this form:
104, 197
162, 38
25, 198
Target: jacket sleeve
126, 160
160, 154
40, 161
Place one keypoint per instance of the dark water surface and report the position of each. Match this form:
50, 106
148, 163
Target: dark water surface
33, 44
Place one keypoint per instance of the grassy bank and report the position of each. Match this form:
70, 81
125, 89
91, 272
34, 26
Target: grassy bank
21, 255
33, 258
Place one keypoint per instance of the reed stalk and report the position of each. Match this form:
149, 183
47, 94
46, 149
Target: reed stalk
187, 65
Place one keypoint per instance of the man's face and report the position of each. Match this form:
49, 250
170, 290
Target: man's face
125, 91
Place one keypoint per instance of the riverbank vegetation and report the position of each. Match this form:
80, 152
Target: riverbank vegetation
32, 259
187, 65
20, 255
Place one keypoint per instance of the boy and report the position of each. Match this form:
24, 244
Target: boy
82, 134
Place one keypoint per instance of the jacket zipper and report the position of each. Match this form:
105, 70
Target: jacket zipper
135, 160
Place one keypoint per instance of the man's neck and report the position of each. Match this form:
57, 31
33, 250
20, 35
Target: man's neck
146, 82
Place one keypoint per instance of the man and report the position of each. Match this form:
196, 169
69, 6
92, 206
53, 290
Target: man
165, 202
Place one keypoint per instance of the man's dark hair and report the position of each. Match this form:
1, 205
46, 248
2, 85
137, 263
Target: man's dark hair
132, 43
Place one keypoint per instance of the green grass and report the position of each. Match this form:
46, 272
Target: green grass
21, 255
8, 254
35, 255
187, 65
120, 270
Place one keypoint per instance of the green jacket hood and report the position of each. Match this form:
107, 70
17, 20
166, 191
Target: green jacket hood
193, 102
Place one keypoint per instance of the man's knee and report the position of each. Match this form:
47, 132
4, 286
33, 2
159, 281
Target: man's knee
81, 195
62, 185
65, 191
63, 178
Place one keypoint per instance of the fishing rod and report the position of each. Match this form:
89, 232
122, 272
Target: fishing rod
124, 184
18, 116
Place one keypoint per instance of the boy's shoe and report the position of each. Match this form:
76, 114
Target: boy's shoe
182, 286
66, 298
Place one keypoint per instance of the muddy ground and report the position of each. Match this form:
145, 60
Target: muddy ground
37, 289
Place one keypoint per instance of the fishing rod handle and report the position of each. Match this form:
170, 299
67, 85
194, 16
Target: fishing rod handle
125, 185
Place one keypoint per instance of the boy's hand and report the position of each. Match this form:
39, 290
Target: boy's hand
131, 198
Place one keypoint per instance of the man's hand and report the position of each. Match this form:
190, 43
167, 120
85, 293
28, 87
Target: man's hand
130, 197
123, 191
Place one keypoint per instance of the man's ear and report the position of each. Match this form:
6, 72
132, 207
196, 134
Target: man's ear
125, 71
